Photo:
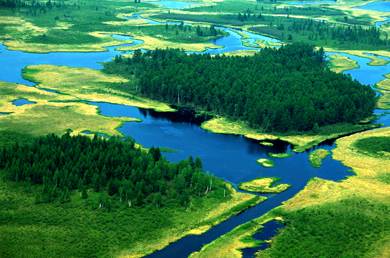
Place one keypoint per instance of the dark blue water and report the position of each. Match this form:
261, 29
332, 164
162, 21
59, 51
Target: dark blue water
270, 230
21, 102
174, 4
3, 114
380, 6
227, 156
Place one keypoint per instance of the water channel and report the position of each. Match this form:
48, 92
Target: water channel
230, 157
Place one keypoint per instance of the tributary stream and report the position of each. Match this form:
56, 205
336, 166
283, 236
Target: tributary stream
230, 157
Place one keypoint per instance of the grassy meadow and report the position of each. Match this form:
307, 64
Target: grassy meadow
263, 185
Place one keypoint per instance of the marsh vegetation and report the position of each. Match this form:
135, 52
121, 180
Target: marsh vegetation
68, 194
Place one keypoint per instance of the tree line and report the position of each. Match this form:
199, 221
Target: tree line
285, 89
111, 167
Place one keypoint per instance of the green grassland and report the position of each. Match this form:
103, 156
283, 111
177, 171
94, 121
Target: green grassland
280, 155
377, 146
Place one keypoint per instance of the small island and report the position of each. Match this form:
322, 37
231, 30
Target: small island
264, 185
317, 156
280, 155
266, 143
267, 163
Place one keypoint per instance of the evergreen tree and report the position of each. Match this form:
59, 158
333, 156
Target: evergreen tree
84, 193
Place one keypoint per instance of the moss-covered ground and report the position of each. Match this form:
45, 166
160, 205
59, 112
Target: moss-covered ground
280, 155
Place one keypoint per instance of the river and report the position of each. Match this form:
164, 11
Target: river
230, 157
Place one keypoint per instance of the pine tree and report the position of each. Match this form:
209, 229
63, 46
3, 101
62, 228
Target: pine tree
84, 193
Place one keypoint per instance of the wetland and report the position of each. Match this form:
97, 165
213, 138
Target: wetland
48, 79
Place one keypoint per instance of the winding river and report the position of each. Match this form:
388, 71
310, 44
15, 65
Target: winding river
230, 157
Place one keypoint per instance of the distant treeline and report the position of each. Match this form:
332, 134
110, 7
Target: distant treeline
319, 30
34, 4
112, 167
280, 90
349, 33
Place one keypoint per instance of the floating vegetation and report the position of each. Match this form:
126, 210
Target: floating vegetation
267, 163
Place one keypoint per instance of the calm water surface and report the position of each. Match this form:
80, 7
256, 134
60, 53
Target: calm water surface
21, 102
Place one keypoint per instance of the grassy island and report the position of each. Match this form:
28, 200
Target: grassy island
267, 163
317, 156
264, 185
280, 155
266, 143
340, 64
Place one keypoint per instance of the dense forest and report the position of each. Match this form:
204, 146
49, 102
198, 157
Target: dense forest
285, 89
111, 167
